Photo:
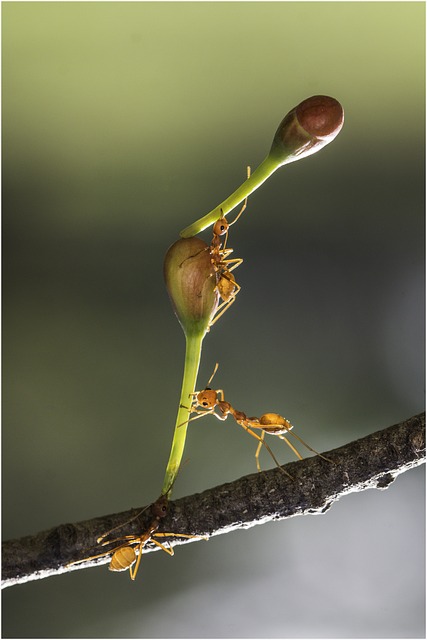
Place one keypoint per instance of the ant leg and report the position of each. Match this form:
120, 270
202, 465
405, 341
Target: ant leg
106, 553
248, 174
100, 555
257, 437
222, 417
169, 551
211, 412
296, 452
224, 253
236, 262
177, 535
258, 449
201, 413
310, 448
223, 307
121, 538
134, 571
220, 311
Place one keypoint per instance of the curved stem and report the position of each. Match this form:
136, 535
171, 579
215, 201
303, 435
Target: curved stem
260, 175
193, 350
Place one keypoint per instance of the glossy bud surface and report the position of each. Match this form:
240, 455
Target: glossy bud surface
307, 128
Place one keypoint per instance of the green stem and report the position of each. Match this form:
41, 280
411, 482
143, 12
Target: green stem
260, 175
193, 350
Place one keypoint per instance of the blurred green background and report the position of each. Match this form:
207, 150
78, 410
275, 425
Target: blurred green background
122, 124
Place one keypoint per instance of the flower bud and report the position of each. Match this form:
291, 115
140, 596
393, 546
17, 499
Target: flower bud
190, 281
307, 128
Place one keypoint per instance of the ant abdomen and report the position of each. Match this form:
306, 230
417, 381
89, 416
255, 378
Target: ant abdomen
275, 420
122, 559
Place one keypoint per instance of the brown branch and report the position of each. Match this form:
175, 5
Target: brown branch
372, 462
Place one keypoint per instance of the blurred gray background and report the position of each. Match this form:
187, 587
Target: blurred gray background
122, 124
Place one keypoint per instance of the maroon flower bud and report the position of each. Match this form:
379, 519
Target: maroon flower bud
307, 128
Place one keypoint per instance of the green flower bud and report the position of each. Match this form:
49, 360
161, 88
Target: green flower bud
190, 281
307, 128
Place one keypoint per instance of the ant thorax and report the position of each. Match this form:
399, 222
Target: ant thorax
225, 408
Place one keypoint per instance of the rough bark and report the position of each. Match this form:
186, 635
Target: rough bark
372, 462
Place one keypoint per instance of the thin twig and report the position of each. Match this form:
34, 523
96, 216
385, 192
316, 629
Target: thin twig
372, 462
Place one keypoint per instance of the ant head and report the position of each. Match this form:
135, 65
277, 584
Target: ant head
207, 398
159, 508
220, 227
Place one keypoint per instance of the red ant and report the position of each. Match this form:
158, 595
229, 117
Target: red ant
130, 552
272, 423
226, 284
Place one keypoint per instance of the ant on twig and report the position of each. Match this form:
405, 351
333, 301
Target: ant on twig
226, 284
222, 266
129, 553
271, 423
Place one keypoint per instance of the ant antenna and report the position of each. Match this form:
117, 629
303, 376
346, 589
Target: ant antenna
214, 372
248, 172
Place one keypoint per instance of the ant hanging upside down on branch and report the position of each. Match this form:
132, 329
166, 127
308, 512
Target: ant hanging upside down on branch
128, 554
212, 402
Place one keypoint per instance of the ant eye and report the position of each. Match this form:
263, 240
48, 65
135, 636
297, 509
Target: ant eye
204, 403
